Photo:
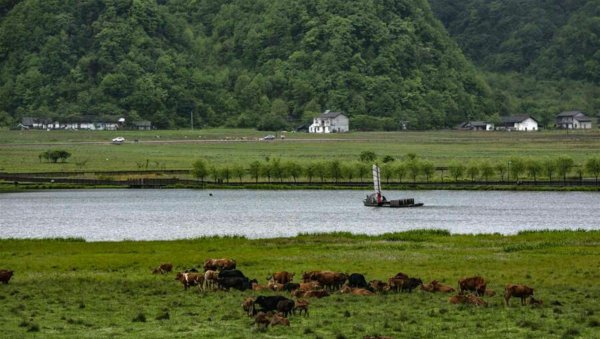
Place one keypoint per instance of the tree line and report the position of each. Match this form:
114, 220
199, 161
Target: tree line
409, 169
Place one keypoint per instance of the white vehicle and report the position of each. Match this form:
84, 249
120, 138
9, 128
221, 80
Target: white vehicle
268, 137
118, 140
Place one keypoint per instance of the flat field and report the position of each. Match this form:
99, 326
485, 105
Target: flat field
92, 150
70, 288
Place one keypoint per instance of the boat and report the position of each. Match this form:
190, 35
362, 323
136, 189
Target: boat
378, 200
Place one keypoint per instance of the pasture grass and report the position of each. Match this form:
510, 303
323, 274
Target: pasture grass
158, 150
73, 288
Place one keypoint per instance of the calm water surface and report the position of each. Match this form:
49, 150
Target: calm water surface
174, 214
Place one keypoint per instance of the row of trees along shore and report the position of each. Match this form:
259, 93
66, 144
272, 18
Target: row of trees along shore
406, 170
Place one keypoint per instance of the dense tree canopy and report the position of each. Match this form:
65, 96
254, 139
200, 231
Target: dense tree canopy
234, 62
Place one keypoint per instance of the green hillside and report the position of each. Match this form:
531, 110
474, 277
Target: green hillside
265, 64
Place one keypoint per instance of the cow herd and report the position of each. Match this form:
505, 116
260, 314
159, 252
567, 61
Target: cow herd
222, 274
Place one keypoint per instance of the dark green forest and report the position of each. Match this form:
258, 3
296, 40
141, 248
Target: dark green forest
276, 64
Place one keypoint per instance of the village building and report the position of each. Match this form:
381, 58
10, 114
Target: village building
78, 123
142, 125
476, 126
330, 122
573, 120
518, 123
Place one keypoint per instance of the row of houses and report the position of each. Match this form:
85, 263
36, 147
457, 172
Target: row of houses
564, 120
83, 123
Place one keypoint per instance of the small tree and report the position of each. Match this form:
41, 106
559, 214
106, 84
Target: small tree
278, 170
320, 170
362, 170
199, 169
592, 166
387, 172
310, 171
215, 173
486, 170
225, 173
293, 169
334, 170
533, 168
255, 169
400, 171
349, 171
517, 167
501, 168
388, 158
564, 164
473, 170
238, 171
456, 169
414, 168
367, 156
428, 169
549, 168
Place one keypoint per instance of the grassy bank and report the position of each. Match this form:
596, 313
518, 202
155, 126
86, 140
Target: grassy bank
68, 287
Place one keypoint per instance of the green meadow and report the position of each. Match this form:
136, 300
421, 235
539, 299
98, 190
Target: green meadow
92, 150
72, 288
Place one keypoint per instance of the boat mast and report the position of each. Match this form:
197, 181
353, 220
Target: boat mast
377, 182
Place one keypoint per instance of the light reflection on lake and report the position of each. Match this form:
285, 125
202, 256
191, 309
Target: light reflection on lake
119, 214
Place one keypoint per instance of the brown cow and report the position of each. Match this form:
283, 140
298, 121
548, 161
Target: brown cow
5, 276
247, 305
190, 279
377, 285
520, 291
275, 286
458, 299
436, 286
313, 285
163, 268
301, 305
282, 277
261, 319
211, 279
219, 264
286, 307
361, 291
316, 294
257, 287
279, 319
395, 284
467, 299
489, 292
476, 284
475, 300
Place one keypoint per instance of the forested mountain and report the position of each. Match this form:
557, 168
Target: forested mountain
261, 63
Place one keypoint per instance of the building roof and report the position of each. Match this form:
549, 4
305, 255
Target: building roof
330, 115
569, 114
142, 123
516, 119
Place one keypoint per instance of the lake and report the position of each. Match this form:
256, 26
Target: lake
118, 214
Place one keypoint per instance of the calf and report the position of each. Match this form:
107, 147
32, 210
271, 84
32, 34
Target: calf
301, 305
395, 284
285, 307
210, 278
261, 320
436, 286
520, 291
377, 285
247, 305
190, 279
275, 286
163, 268
475, 284
489, 292
467, 299
357, 280
282, 277
316, 294
279, 319
5, 276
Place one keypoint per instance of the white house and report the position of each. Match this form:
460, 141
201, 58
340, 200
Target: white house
573, 120
518, 123
476, 126
330, 122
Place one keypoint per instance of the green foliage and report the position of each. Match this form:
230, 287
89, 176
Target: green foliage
265, 64
54, 156
456, 169
200, 169
592, 166
367, 156
564, 164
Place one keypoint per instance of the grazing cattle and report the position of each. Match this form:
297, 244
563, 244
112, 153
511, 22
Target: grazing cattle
309, 276
378, 285
286, 307
279, 319
257, 287
310, 285
395, 284
291, 286
247, 306
298, 293
211, 279
301, 305
401, 275
475, 300
410, 284
316, 294
326, 278
458, 299
282, 277
362, 291
5, 276
275, 286
219, 264
238, 283
475, 284
520, 291
339, 279
190, 279
163, 268
357, 280
231, 274
261, 320
467, 299
535, 302
268, 303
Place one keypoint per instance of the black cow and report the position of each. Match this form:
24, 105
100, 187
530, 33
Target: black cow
291, 286
239, 283
231, 274
268, 303
286, 307
411, 284
357, 280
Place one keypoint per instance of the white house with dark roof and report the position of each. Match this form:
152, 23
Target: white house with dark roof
573, 120
330, 122
518, 123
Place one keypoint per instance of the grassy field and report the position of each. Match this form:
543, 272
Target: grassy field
70, 288
92, 151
